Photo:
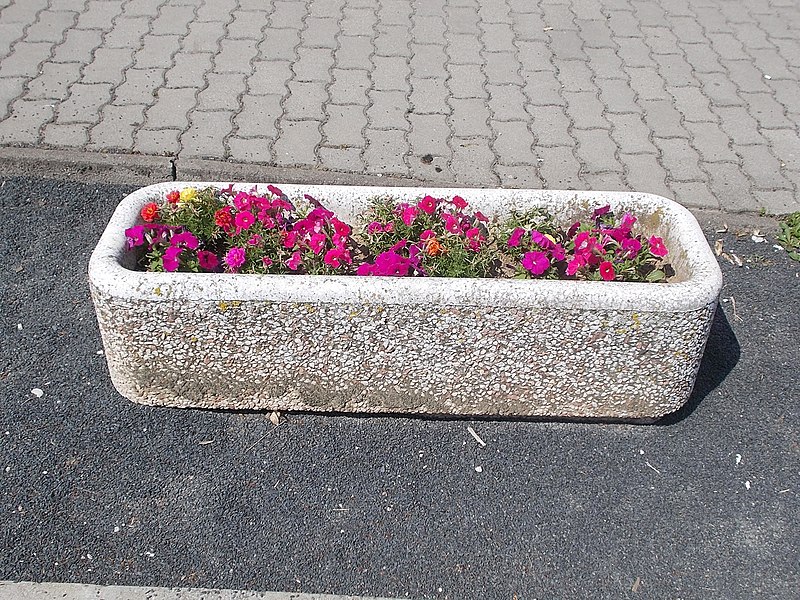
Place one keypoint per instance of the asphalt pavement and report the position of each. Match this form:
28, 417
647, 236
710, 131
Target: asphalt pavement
96, 489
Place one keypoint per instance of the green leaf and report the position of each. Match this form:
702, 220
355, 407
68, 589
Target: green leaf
795, 256
656, 276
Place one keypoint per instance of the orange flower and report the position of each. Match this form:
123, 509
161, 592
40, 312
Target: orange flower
433, 247
150, 212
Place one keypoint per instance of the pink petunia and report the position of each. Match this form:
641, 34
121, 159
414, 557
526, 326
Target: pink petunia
481, 217
374, 227
294, 261
184, 239
657, 247
340, 228
536, 262
516, 236
290, 240
208, 260
631, 247
135, 236
235, 258
428, 204
242, 201
409, 214
601, 211
459, 202
607, 271
317, 242
170, 260
244, 219
335, 256
266, 261
575, 264
427, 234
451, 223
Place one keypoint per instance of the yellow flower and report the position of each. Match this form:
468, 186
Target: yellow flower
187, 194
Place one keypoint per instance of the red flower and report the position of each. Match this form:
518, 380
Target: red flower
223, 218
428, 204
150, 212
607, 271
459, 202
173, 197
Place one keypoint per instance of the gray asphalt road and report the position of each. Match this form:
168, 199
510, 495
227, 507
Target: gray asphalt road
99, 490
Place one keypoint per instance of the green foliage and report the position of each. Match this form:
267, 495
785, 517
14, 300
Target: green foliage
789, 237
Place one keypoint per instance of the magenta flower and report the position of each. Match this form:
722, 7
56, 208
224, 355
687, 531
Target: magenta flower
516, 236
290, 240
294, 261
208, 260
575, 264
135, 236
607, 271
408, 215
389, 227
427, 234
184, 239
481, 217
275, 191
459, 202
265, 219
242, 201
170, 260
254, 240
266, 261
335, 256
235, 258
631, 247
451, 223
317, 242
391, 264
244, 219
536, 262
627, 222
657, 247
428, 204
374, 227
601, 211
364, 269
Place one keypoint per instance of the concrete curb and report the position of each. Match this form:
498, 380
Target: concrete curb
25, 590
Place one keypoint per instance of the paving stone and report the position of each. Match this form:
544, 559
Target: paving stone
575, 76
559, 16
320, 32
624, 24
786, 94
502, 68
462, 19
143, 8
189, 70
157, 141
53, 82
605, 182
529, 26
762, 167
157, 51
507, 103
222, 92
25, 59
778, 202
765, 110
739, 125
390, 73
543, 89
687, 29
116, 127
519, 176
427, 29
559, 168
305, 100
595, 34
497, 37
631, 134
645, 174
25, 121
513, 142
259, 116
353, 52
109, 65
389, 110
50, 26
675, 71
605, 63
535, 56
596, 150
344, 125
730, 186
205, 136
270, 77
395, 12
10, 90
429, 96
235, 56
205, 36
347, 160
647, 83
472, 161
172, 20
313, 64
634, 52
702, 58
385, 152
662, 118
349, 87
429, 135
585, 110
248, 25
466, 81
745, 76
10, 33
470, 117
550, 126
23, 12
694, 194
692, 104
75, 135
618, 96
427, 60
280, 44
494, 11
464, 49
680, 159
171, 109
720, 90
99, 14
139, 86
84, 102
250, 150
785, 144
711, 142
127, 32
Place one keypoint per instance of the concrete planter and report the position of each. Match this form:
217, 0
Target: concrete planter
411, 345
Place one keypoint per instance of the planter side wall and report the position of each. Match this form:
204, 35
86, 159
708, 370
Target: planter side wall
355, 357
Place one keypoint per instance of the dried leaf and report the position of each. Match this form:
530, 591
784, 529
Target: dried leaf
275, 418
636, 584
718, 247
724, 228
736, 260
757, 237
206, 442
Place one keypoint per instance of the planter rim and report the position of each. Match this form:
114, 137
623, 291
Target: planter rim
700, 288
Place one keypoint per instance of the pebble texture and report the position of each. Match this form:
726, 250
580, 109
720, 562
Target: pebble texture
692, 99
426, 346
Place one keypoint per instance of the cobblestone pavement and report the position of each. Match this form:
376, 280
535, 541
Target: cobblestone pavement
697, 100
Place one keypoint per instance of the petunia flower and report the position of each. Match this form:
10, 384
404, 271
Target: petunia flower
317, 242
208, 260
459, 202
170, 258
184, 239
244, 220
657, 247
607, 271
409, 214
516, 236
335, 256
630, 247
536, 262
294, 261
235, 258
428, 204
135, 236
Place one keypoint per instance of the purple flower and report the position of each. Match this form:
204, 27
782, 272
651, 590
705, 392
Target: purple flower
208, 260
631, 247
184, 239
601, 211
135, 236
536, 262
235, 258
294, 261
170, 260
516, 236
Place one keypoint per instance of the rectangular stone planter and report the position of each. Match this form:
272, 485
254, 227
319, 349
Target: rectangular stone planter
411, 345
